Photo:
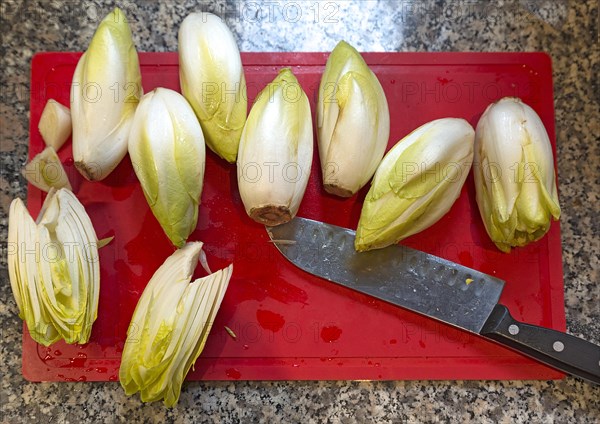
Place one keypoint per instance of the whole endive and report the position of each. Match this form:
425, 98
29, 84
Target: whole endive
416, 183
166, 146
212, 80
54, 268
106, 89
170, 325
353, 122
276, 151
514, 177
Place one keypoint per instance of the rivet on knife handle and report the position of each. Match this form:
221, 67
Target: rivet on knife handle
559, 350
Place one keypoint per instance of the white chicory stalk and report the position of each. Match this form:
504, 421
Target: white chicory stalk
170, 326
276, 151
54, 268
105, 92
23, 259
166, 146
514, 174
416, 183
55, 124
212, 80
353, 122
46, 171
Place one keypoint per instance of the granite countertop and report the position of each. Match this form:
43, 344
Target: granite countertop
566, 30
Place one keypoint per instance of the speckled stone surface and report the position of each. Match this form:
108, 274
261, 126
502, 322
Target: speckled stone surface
567, 30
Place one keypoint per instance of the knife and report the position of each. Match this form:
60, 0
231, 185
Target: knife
431, 286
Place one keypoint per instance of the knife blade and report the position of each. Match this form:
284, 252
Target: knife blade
431, 286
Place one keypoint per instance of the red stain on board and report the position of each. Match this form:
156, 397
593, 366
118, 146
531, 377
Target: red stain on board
465, 258
270, 320
261, 288
422, 344
487, 268
444, 81
77, 362
233, 373
331, 333
521, 308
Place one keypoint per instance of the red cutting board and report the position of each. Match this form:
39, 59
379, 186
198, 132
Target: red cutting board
289, 324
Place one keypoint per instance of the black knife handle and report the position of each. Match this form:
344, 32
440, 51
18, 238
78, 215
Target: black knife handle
566, 353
